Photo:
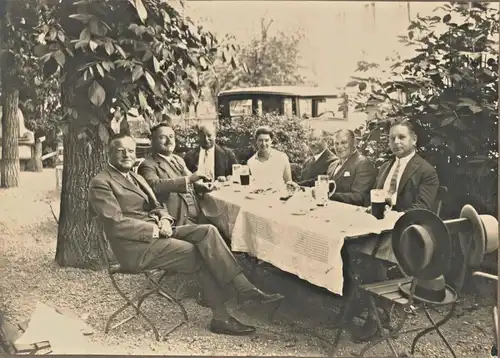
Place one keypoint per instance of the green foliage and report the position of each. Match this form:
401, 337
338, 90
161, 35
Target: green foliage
291, 136
268, 60
131, 54
448, 90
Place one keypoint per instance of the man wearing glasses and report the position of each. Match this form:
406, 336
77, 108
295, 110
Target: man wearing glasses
144, 236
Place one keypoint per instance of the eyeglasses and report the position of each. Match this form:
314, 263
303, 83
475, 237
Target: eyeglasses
122, 151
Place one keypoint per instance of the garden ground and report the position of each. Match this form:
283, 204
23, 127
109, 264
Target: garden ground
303, 325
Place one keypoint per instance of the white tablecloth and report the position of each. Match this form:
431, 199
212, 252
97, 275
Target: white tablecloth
307, 245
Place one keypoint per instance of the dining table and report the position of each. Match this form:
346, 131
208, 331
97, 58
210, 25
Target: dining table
292, 232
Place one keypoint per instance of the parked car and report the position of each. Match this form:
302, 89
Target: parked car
322, 109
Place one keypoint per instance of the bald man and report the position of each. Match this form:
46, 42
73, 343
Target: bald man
208, 157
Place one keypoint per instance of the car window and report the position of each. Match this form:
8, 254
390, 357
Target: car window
240, 107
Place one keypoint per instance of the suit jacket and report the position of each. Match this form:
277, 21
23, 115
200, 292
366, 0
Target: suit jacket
418, 187
312, 169
123, 209
224, 160
168, 184
354, 180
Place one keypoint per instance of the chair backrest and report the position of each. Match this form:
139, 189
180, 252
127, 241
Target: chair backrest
440, 197
103, 246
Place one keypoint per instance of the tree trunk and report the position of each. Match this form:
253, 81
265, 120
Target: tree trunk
10, 134
77, 244
37, 156
10, 165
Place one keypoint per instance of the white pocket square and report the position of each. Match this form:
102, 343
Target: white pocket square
347, 174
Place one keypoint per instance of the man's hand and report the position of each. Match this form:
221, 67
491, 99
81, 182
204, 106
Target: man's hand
193, 178
203, 188
165, 228
159, 212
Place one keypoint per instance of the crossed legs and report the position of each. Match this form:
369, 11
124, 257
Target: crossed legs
201, 250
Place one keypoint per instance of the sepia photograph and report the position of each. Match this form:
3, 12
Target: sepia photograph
249, 178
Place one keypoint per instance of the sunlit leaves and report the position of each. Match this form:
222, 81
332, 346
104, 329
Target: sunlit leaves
96, 94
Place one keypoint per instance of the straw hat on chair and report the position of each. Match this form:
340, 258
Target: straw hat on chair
484, 236
422, 246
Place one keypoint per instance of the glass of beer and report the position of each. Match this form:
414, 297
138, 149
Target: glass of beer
244, 175
378, 199
236, 173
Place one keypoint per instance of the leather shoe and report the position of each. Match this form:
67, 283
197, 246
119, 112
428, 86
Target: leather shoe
231, 327
257, 296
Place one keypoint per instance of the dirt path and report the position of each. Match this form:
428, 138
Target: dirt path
303, 326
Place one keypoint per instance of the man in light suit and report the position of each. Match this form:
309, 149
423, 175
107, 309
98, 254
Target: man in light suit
322, 158
411, 183
173, 183
143, 235
209, 157
354, 174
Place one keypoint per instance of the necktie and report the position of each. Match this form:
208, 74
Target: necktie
177, 166
132, 180
394, 179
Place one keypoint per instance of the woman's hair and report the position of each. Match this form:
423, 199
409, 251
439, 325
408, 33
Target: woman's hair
264, 130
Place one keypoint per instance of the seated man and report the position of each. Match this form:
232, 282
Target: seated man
354, 174
173, 184
143, 235
269, 167
209, 157
318, 163
411, 183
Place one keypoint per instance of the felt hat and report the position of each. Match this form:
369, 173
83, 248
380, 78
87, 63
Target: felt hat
434, 291
483, 238
421, 244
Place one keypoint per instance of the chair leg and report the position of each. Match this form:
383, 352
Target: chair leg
387, 337
136, 308
122, 308
435, 327
343, 321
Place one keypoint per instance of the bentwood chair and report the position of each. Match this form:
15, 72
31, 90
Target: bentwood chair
152, 284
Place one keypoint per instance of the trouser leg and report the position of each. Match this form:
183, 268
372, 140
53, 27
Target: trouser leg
183, 257
215, 253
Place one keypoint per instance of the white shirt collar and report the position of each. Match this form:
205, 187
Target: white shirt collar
209, 150
316, 157
405, 160
165, 157
119, 171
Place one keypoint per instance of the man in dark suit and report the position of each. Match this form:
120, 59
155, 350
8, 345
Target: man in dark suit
209, 157
354, 174
173, 183
410, 183
317, 164
143, 235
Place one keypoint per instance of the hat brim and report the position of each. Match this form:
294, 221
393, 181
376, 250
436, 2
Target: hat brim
450, 295
477, 242
490, 224
440, 261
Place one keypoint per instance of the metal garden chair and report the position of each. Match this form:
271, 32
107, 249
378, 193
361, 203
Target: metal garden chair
389, 292
152, 284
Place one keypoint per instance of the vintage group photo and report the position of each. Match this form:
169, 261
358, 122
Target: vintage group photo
249, 178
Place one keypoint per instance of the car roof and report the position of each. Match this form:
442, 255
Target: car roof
296, 91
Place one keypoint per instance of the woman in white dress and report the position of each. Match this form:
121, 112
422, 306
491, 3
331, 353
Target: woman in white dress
269, 167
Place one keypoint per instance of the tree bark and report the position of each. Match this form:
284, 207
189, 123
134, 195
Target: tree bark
10, 165
10, 134
77, 244
37, 156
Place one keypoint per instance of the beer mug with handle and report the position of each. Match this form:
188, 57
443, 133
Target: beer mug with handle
379, 203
